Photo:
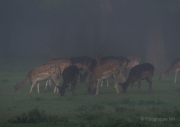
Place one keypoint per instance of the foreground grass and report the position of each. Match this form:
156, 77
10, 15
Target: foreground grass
106, 109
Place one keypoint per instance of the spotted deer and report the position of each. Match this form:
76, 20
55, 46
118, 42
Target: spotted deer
103, 71
138, 73
123, 64
69, 75
62, 63
175, 66
38, 74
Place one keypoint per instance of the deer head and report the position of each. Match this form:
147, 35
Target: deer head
123, 86
62, 89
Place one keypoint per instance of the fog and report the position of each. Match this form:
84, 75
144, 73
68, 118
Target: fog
27, 29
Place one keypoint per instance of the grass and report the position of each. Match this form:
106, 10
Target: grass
108, 109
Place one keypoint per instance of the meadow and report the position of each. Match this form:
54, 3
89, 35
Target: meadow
108, 109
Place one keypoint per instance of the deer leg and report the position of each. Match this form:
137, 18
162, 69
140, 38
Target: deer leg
97, 89
116, 82
176, 72
32, 86
107, 83
121, 75
139, 82
73, 86
55, 79
38, 87
46, 84
101, 83
150, 84
132, 85
50, 83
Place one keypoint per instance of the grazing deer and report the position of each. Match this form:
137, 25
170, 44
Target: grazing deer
123, 64
70, 75
38, 74
138, 73
175, 66
109, 68
62, 63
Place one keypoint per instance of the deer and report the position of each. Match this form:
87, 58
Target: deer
38, 74
69, 75
175, 66
62, 63
103, 71
133, 62
138, 73
123, 63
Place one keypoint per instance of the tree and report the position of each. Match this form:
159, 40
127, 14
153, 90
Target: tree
156, 51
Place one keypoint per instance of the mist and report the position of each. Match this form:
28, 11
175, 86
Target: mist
27, 29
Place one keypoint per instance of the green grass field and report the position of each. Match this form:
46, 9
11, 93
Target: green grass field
108, 109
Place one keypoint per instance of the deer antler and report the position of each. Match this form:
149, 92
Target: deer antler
49, 51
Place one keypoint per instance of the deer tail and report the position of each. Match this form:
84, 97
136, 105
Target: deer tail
18, 86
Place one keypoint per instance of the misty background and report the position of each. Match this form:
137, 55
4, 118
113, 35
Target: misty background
45, 29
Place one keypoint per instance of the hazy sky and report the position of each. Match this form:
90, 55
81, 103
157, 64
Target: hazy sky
29, 29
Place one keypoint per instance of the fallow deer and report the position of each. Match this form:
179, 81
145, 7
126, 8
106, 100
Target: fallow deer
175, 66
138, 73
123, 64
133, 62
62, 63
70, 75
109, 68
38, 74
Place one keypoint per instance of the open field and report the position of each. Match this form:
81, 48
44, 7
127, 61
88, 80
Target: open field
83, 110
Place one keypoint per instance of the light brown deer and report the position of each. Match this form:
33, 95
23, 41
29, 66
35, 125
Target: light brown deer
103, 71
123, 64
38, 74
175, 66
62, 63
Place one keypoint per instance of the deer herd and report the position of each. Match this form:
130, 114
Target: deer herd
95, 72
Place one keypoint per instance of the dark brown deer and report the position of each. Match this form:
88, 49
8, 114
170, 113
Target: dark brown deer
175, 66
62, 63
69, 75
103, 71
138, 73
38, 74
